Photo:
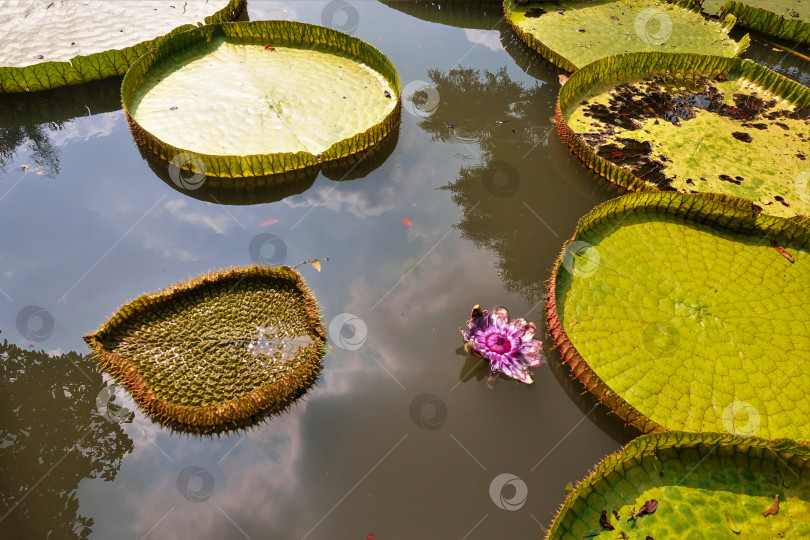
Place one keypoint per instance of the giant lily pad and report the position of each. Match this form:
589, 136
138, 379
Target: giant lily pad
692, 123
686, 312
217, 351
67, 42
574, 33
258, 98
680, 485
785, 19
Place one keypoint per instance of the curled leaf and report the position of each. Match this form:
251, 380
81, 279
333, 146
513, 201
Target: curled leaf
603, 521
649, 507
732, 524
782, 251
773, 509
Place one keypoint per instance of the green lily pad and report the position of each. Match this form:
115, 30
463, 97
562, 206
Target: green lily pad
218, 351
689, 313
574, 33
258, 98
692, 123
52, 44
784, 19
704, 486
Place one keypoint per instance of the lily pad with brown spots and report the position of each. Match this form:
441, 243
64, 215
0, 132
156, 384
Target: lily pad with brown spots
692, 123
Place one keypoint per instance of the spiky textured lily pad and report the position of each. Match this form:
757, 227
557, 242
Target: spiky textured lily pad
218, 350
692, 123
574, 33
259, 98
705, 485
784, 19
67, 42
686, 312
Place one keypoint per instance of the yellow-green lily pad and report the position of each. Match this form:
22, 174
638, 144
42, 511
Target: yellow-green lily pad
681, 485
688, 313
692, 123
574, 33
258, 98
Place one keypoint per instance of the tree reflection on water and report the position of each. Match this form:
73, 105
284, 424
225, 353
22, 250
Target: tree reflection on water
52, 435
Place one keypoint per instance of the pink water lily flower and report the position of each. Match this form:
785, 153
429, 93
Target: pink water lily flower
509, 347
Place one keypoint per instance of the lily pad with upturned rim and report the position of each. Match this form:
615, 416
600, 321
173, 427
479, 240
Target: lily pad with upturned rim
574, 33
703, 486
689, 313
193, 355
258, 98
61, 43
784, 19
759, 153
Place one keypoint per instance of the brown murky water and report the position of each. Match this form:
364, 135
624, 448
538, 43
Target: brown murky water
468, 203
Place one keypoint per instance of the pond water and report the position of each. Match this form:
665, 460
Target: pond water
470, 202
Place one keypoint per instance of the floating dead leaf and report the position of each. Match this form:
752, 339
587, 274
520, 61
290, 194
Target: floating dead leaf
773, 509
649, 507
782, 251
603, 521
732, 524
407, 222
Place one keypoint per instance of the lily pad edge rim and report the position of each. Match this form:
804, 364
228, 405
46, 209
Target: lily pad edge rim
234, 166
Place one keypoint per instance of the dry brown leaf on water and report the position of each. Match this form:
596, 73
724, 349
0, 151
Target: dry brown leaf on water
773, 509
